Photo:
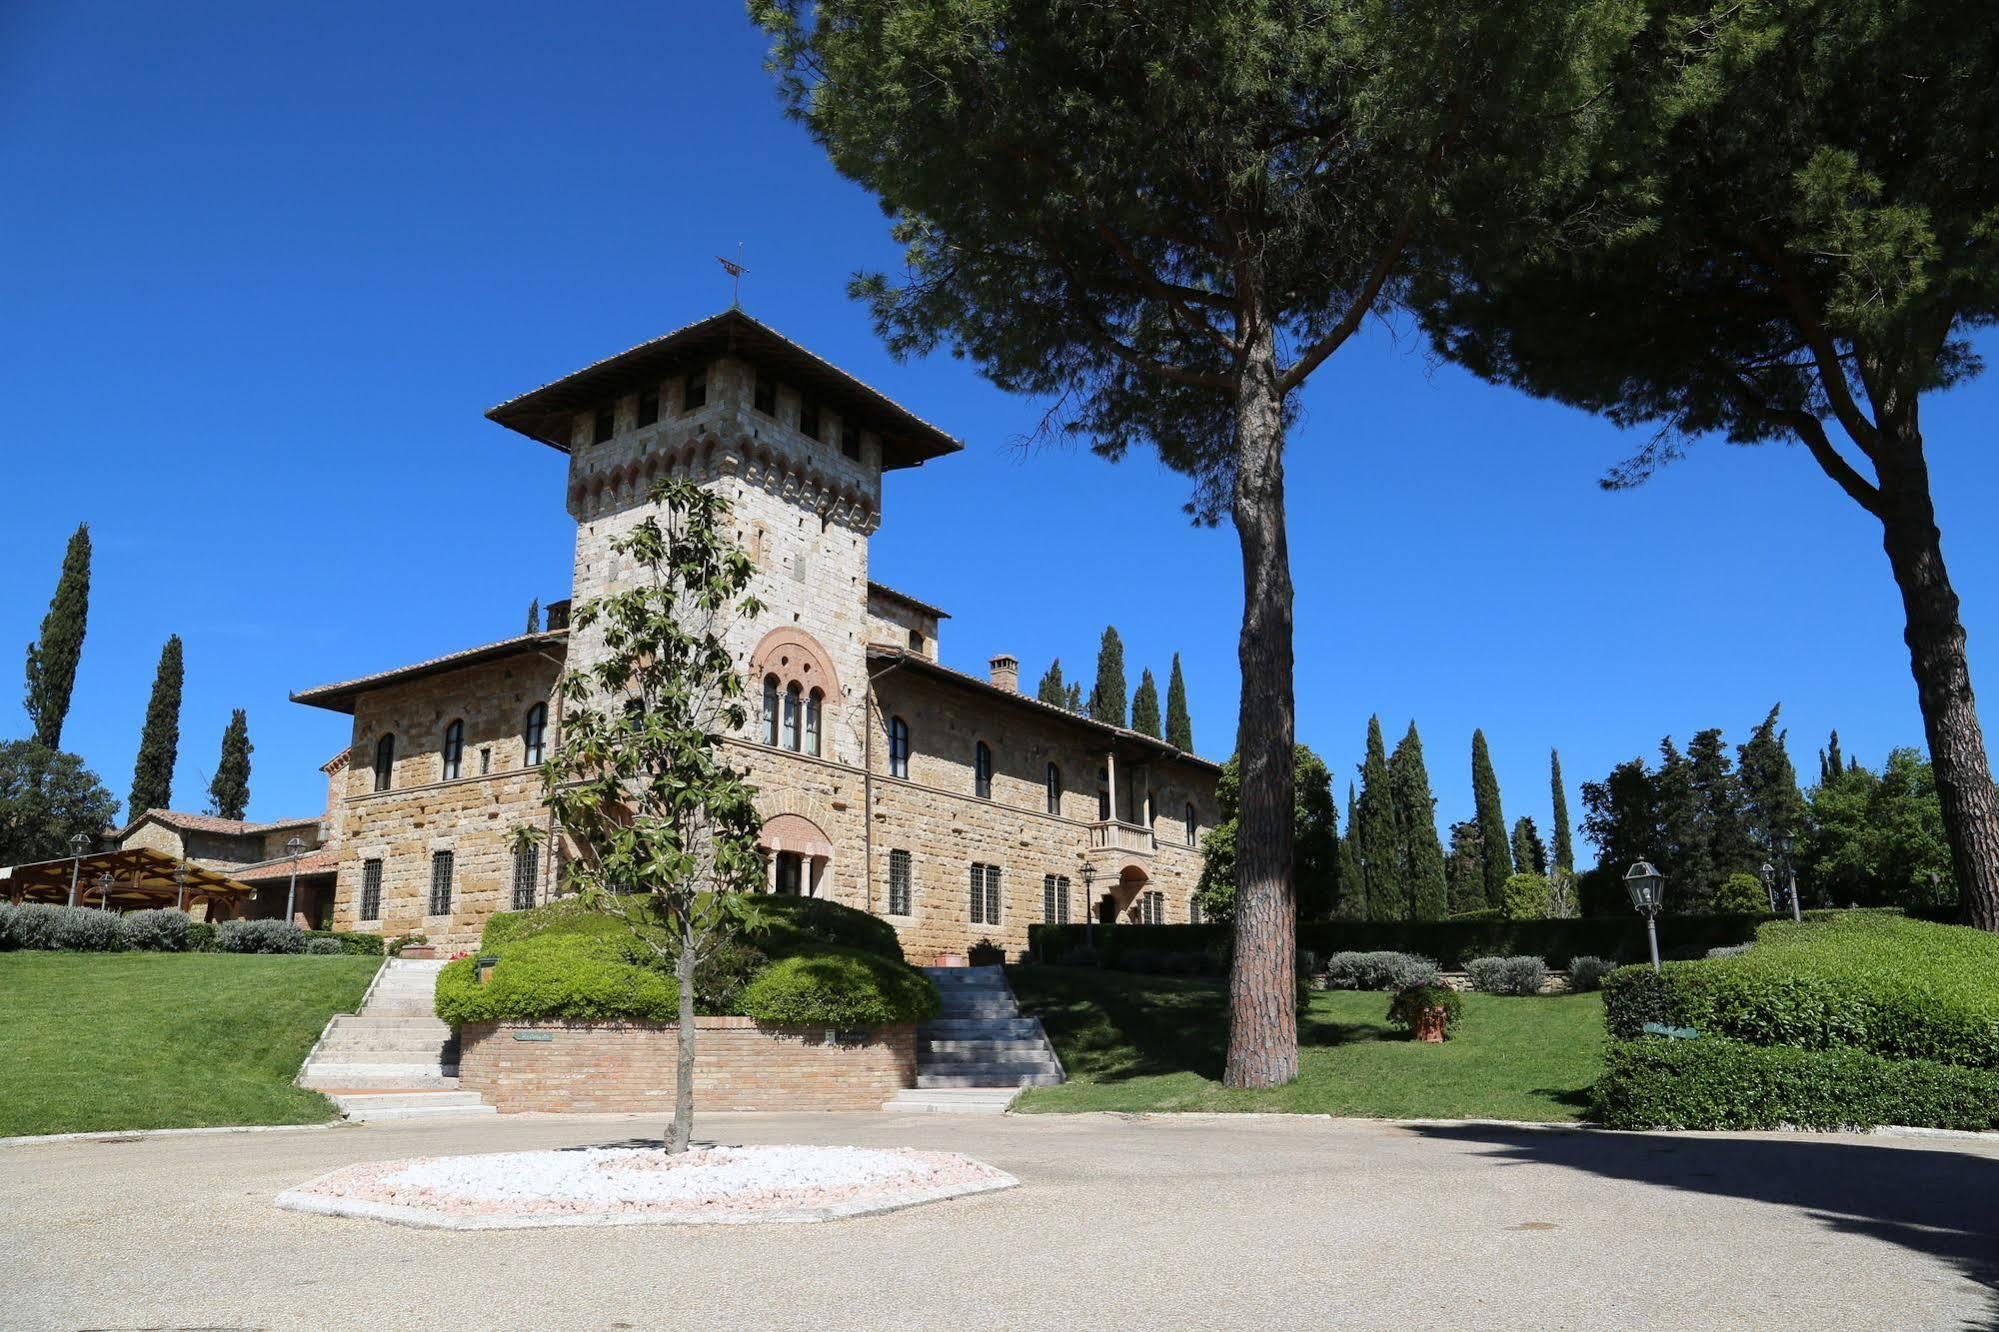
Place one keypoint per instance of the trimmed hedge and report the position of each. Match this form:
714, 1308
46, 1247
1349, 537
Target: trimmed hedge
839, 987
1378, 971
63, 929
1874, 982
155, 931
1507, 975
354, 945
1451, 942
784, 925
1720, 1084
259, 936
1587, 973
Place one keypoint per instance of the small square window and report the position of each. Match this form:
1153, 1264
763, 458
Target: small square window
765, 399
603, 426
808, 419
850, 442
648, 407
694, 391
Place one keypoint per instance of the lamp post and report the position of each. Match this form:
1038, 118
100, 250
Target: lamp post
1769, 874
1784, 843
1089, 908
180, 885
76, 845
295, 845
104, 885
1648, 890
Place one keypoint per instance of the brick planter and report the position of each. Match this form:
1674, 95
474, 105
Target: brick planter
740, 1064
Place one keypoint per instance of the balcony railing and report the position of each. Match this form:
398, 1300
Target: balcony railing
1117, 835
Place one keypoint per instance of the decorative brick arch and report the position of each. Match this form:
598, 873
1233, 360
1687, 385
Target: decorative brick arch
790, 653
797, 834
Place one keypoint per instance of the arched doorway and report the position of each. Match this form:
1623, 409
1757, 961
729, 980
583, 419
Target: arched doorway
797, 853
1120, 902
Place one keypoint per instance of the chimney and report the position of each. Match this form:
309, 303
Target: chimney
1006, 672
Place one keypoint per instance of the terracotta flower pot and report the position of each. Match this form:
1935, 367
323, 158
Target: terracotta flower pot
1430, 1026
419, 952
950, 959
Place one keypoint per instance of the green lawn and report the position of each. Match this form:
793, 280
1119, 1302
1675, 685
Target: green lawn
1138, 1043
92, 1041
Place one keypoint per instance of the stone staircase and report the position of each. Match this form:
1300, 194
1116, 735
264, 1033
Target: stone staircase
978, 1053
393, 1059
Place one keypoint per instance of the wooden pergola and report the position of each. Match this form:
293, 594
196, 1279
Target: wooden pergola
125, 880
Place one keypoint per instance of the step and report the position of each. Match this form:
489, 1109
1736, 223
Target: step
412, 1042
431, 1054
953, 1100
990, 1008
390, 1100
987, 1075
1036, 1059
979, 1029
978, 1044
415, 1109
373, 1077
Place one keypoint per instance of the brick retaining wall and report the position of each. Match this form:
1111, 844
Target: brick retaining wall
740, 1064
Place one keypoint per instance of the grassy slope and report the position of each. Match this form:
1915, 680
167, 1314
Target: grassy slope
92, 1041
1137, 1043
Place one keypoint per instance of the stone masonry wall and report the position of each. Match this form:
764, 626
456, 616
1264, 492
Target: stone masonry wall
630, 1066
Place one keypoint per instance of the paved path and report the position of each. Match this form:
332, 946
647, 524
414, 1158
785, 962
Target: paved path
1129, 1224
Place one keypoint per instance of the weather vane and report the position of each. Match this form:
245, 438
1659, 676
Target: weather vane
734, 268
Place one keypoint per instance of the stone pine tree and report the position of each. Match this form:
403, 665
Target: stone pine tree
1565, 849
1530, 853
1051, 690
1145, 706
534, 616
1108, 698
1378, 841
1786, 236
1179, 722
1425, 891
1166, 218
1495, 856
665, 829
53, 657
229, 792
159, 742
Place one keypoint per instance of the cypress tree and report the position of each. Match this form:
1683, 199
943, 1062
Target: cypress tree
1776, 808
1497, 860
159, 743
1565, 850
52, 658
534, 616
1426, 892
1830, 763
229, 793
1465, 868
1530, 854
1380, 842
1145, 706
1179, 722
1352, 904
1107, 700
1075, 700
1051, 689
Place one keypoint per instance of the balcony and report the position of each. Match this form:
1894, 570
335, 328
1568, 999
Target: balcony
1118, 836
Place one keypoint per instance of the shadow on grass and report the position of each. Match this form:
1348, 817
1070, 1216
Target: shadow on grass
1933, 1201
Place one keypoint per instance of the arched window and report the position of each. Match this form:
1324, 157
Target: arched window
898, 748
982, 770
534, 735
791, 700
1054, 780
454, 751
812, 703
1103, 795
1193, 828
385, 761
770, 709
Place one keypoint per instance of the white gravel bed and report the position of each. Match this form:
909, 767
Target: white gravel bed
610, 1186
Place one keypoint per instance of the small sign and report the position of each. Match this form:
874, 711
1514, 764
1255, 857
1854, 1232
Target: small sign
534, 1035
1672, 1033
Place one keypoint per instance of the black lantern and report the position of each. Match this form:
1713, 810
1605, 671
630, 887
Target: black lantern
1648, 893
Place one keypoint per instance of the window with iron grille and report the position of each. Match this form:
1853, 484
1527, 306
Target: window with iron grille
527, 868
1055, 899
440, 883
371, 890
898, 883
985, 894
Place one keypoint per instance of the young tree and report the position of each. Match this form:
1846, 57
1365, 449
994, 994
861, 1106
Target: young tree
664, 829
1075, 699
1179, 722
1051, 690
1377, 841
46, 798
1420, 860
1496, 859
1877, 839
1145, 706
229, 792
1621, 819
1565, 850
1107, 699
1530, 855
1772, 804
1787, 237
1464, 868
534, 616
52, 658
159, 743
1166, 218
1316, 823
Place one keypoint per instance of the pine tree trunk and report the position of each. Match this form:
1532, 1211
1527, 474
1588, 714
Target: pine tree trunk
683, 1091
1935, 636
1263, 998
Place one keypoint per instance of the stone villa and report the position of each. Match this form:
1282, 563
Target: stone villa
957, 808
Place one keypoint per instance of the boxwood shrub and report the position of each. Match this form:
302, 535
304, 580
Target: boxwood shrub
839, 987
354, 945
1709, 1083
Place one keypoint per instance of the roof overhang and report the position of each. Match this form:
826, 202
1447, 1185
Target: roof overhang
140, 877
546, 414
341, 697
890, 594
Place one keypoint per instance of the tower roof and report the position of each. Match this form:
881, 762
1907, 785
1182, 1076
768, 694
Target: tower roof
546, 413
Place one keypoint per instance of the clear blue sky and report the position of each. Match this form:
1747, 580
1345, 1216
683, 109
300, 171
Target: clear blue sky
267, 265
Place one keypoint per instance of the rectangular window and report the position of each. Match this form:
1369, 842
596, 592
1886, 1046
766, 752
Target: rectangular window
527, 866
850, 441
1193, 911
1055, 899
371, 890
898, 883
694, 390
440, 883
1152, 909
808, 419
985, 894
648, 407
603, 426
765, 394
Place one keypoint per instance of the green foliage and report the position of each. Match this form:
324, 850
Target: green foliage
1179, 722
1565, 851
352, 944
1464, 872
1521, 975
1712, 1084
1871, 981
1145, 706
155, 931
1316, 845
322, 947
534, 616
1530, 855
1377, 836
53, 656
1107, 698
1526, 897
1412, 1001
159, 742
63, 929
1424, 891
46, 798
1586, 972
1772, 804
259, 936
1495, 855
1051, 689
201, 937
780, 926
839, 988
1378, 971
1878, 839
229, 792
1741, 895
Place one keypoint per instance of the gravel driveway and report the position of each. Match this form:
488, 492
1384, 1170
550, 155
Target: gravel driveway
1125, 1223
